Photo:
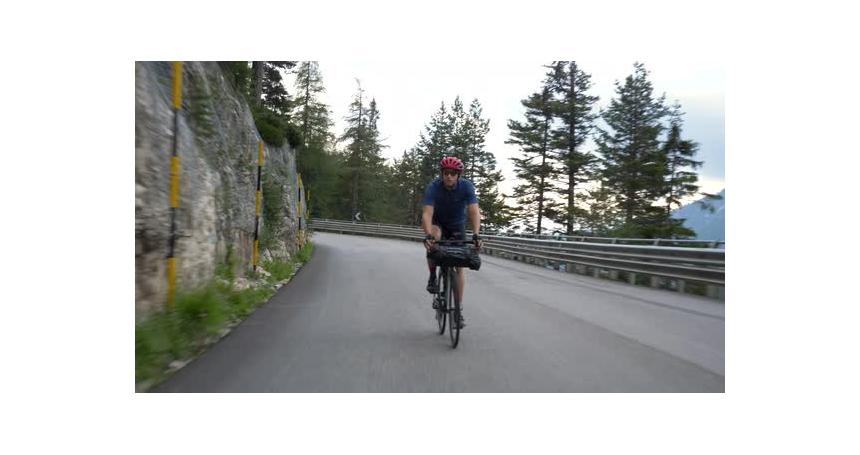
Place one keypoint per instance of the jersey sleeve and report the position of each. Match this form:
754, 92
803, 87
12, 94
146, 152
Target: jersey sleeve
471, 198
429, 195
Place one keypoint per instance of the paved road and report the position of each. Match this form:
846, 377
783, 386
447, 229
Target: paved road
357, 319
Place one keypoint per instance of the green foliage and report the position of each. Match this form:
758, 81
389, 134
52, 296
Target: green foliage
275, 96
360, 183
272, 109
276, 129
157, 342
272, 127
318, 167
680, 177
456, 131
200, 110
199, 315
573, 113
200, 312
633, 166
238, 74
304, 254
279, 270
242, 303
292, 134
601, 217
534, 167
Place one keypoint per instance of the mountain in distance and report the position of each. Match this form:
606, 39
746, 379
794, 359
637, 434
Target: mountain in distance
707, 225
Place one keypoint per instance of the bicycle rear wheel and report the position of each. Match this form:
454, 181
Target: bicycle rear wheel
441, 313
453, 308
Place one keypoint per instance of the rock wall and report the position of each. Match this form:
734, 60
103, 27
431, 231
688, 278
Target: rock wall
218, 154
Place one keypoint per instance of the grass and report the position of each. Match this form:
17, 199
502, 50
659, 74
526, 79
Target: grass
200, 315
279, 270
304, 254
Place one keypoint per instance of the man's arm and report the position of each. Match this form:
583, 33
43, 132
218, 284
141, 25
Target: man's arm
474, 217
427, 219
427, 224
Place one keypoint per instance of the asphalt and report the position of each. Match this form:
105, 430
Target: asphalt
356, 318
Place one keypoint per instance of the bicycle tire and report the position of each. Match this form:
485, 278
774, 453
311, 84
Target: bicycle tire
441, 314
453, 309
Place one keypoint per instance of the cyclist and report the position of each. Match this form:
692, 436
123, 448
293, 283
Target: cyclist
447, 199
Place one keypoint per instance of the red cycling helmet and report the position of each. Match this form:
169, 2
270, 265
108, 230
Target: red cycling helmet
452, 162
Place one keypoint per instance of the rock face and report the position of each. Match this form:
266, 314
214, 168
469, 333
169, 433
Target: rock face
218, 152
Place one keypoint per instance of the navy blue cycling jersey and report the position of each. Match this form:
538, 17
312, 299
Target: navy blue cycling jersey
449, 206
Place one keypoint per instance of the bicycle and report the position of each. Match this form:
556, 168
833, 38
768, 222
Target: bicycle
446, 306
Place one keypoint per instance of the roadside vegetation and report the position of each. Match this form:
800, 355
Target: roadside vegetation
168, 339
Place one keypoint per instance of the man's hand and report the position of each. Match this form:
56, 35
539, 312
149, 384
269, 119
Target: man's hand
428, 242
476, 239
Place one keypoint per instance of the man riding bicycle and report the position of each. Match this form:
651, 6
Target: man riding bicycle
447, 199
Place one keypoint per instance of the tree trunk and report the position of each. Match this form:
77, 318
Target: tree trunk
306, 107
628, 207
258, 83
571, 182
354, 192
542, 170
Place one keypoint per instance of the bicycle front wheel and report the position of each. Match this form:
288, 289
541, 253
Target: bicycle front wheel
453, 309
441, 313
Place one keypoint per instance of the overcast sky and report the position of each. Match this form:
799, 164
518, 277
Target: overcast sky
407, 93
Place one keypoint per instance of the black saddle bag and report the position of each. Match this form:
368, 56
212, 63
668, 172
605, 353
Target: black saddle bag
456, 256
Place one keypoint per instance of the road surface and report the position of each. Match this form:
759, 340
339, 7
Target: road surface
356, 318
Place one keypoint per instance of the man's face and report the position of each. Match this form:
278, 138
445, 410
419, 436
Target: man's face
449, 178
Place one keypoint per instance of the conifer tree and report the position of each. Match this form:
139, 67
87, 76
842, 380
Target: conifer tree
534, 166
633, 166
681, 178
572, 107
601, 217
316, 165
363, 161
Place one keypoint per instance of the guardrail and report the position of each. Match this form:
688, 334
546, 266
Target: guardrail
684, 269
623, 240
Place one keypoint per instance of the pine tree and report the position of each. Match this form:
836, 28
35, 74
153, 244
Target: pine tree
269, 90
355, 133
258, 72
269, 101
462, 133
573, 109
435, 142
318, 168
407, 188
681, 178
601, 217
362, 158
378, 199
275, 95
679, 154
631, 157
534, 167
481, 169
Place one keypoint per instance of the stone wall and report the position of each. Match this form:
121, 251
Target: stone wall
218, 153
